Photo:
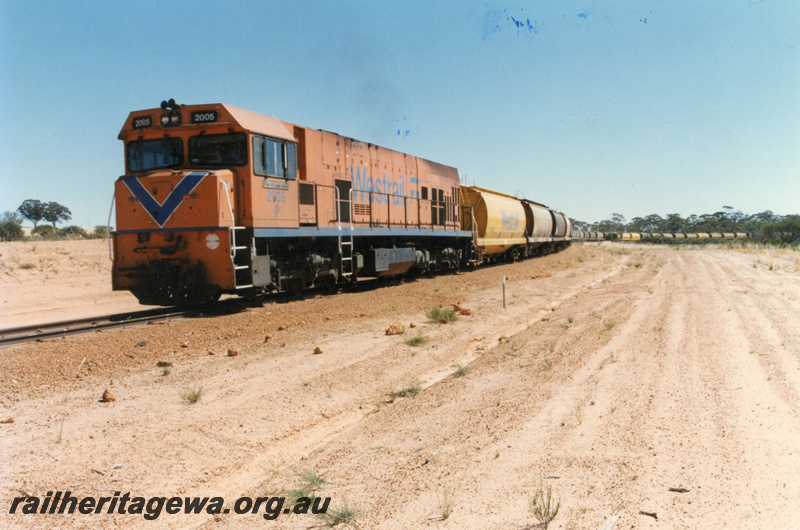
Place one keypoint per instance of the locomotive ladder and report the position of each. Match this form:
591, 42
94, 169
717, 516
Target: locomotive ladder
346, 255
241, 255
473, 256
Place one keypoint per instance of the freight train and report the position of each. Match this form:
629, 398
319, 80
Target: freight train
219, 200
637, 236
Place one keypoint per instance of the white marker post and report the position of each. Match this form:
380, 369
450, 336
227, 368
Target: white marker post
504, 292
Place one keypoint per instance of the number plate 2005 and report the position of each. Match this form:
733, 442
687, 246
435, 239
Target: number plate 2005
204, 116
142, 122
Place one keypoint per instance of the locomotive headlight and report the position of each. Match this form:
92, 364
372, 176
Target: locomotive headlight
171, 119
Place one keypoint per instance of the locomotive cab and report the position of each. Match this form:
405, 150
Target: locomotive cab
184, 205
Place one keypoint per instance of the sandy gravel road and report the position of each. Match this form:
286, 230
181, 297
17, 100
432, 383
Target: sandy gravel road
50, 281
614, 375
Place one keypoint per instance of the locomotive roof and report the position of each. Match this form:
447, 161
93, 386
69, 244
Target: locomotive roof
258, 123
251, 121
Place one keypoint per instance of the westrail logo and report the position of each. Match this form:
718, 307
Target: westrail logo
379, 188
510, 222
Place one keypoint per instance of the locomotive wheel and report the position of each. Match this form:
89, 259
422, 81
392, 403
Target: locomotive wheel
326, 283
294, 288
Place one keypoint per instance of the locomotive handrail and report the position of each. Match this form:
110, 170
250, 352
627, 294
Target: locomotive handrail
448, 205
232, 229
473, 225
108, 226
228, 199
373, 222
336, 202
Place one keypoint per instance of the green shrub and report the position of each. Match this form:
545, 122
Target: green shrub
100, 232
44, 231
11, 231
784, 233
72, 232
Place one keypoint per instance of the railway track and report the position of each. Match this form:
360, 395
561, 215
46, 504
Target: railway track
65, 328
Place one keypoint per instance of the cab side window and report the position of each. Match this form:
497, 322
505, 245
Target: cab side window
274, 158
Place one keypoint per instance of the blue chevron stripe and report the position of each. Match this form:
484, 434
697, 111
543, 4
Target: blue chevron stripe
161, 212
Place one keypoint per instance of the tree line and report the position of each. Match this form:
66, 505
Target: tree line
765, 226
37, 211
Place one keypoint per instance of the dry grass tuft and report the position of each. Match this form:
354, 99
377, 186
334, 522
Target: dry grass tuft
193, 395
442, 315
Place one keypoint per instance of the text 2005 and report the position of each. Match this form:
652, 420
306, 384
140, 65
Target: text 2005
276, 196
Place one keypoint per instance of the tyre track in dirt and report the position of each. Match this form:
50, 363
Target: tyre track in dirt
670, 397
774, 334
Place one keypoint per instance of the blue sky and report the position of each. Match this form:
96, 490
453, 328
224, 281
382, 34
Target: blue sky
592, 107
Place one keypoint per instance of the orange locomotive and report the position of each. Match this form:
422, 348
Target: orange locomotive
218, 199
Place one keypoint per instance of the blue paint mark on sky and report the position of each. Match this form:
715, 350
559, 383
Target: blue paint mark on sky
404, 127
520, 23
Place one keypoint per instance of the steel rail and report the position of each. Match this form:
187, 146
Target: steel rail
64, 328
